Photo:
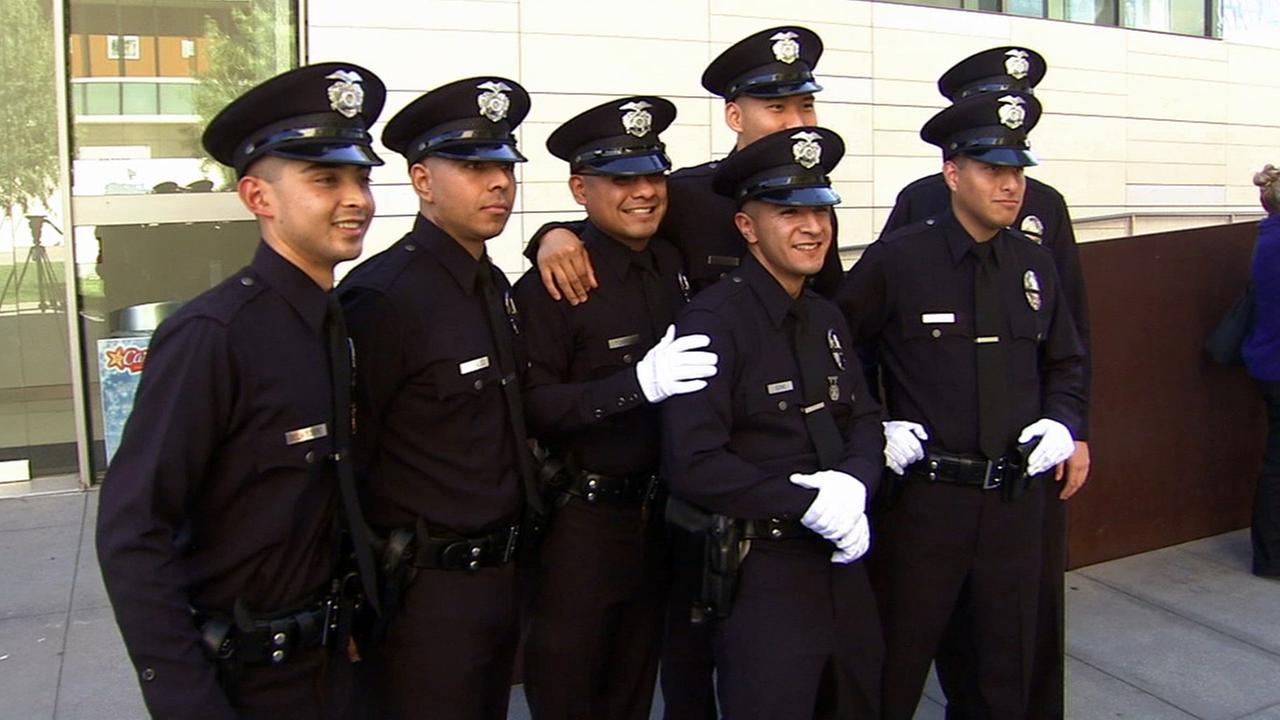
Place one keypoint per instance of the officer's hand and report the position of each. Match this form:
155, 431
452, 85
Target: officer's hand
675, 366
855, 544
902, 444
565, 266
1055, 446
1077, 470
841, 500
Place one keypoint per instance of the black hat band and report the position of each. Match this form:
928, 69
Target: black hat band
582, 156
992, 85
290, 136
495, 135
772, 183
796, 75
961, 145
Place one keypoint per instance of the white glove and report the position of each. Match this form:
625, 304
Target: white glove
1056, 444
853, 545
842, 499
902, 444
674, 366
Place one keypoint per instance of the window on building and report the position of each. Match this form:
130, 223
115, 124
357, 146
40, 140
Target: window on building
1188, 17
154, 222
124, 47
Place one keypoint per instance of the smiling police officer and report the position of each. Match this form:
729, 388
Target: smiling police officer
219, 529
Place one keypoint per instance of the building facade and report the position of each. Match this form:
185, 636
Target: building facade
1157, 112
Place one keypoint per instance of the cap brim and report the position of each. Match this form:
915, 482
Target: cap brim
1014, 157
650, 164
777, 90
806, 197
485, 153
328, 153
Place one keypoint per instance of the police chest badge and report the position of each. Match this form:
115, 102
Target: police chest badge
1011, 112
837, 352
1033, 227
637, 120
1031, 289
785, 48
513, 315
493, 102
806, 150
683, 281
1015, 63
346, 95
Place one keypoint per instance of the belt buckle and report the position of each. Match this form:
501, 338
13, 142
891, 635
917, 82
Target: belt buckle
994, 476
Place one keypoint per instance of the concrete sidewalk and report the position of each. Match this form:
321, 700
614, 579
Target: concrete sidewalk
1184, 632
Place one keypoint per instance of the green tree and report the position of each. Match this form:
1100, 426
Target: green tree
28, 106
257, 44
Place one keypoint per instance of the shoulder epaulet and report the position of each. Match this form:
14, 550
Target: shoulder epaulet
223, 301
692, 171
915, 228
381, 270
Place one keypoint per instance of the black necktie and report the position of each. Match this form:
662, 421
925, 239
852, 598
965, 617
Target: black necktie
990, 331
340, 380
814, 359
499, 332
655, 298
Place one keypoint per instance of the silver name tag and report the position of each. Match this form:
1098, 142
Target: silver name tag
780, 387
813, 408
471, 366
301, 435
725, 260
938, 318
624, 341
986, 339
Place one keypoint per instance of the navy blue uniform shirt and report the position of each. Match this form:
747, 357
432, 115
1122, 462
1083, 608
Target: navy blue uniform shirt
910, 304
222, 488
582, 395
1043, 208
432, 434
732, 447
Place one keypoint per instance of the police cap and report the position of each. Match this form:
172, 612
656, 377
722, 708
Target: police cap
470, 119
772, 63
619, 137
789, 167
991, 127
318, 113
996, 70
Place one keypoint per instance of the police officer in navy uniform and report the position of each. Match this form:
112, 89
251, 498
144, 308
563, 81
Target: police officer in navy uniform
440, 425
786, 441
976, 347
222, 515
767, 83
1045, 220
597, 372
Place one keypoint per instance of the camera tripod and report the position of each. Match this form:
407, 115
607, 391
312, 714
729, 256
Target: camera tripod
48, 289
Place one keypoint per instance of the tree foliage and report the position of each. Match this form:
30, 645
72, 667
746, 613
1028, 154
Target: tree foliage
28, 106
256, 45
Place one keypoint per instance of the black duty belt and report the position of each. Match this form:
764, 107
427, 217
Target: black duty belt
969, 471
441, 550
625, 490
774, 529
270, 639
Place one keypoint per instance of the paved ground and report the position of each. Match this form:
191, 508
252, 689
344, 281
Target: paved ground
1184, 632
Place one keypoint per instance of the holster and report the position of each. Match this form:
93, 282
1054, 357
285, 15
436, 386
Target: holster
722, 545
